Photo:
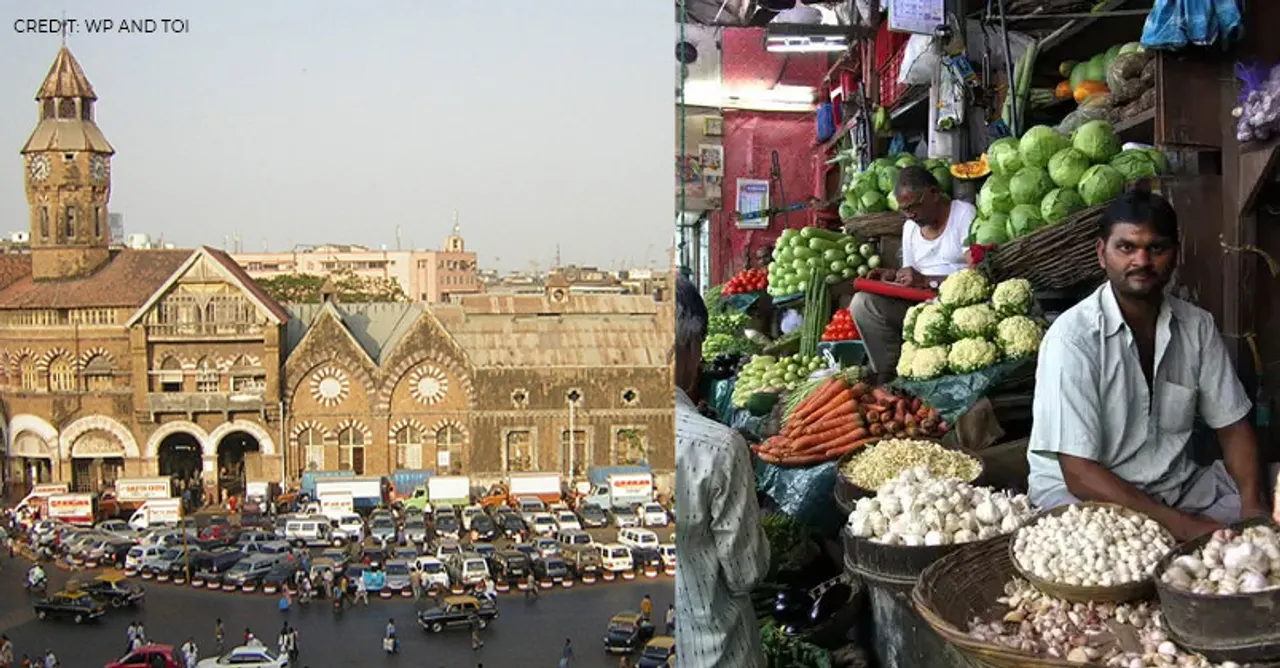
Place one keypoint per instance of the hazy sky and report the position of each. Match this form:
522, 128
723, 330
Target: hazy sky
540, 121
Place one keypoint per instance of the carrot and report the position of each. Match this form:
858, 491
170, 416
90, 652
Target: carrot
843, 449
819, 398
881, 394
859, 390
836, 404
833, 422
840, 413
808, 441
803, 460
893, 427
915, 404
876, 429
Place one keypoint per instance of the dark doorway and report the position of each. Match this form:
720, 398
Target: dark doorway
180, 456
231, 462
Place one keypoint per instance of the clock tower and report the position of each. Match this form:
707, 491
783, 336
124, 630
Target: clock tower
68, 177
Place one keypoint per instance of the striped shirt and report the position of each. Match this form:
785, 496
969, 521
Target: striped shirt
722, 547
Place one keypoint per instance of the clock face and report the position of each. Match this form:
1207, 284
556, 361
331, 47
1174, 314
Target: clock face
98, 168
40, 168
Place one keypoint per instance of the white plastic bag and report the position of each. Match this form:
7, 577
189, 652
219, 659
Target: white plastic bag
919, 62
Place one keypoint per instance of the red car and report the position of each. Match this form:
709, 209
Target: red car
216, 532
149, 656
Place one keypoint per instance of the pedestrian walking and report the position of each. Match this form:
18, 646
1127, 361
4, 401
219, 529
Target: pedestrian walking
219, 635
491, 590
415, 583
190, 653
132, 634
26, 662
532, 590
6, 652
567, 655
293, 643
646, 608
327, 578
389, 643
476, 642
671, 619
282, 640
50, 659
362, 592
142, 634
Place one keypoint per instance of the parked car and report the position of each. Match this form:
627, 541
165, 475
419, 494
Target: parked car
512, 525
339, 556
546, 546
247, 657
415, 531
581, 558
349, 528
457, 611
625, 516
626, 633
654, 515
528, 506
484, 528
218, 563
646, 557
254, 536
510, 565
447, 526
565, 519
433, 571
119, 528
114, 590
78, 606
141, 554
250, 570
485, 550
593, 516
406, 553
397, 571
374, 556
527, 549
149, 656
638, 538
283, 572
550, 568
668, 552
615, 557
447, 548
658, 653
383, 530
543, 524
218, 530
469, 514
467, 569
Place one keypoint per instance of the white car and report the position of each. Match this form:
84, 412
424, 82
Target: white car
615, 557
654, 515
625, 516
247, 657
638, 538
565, 519
433, 569
118, 528
543, 524
668, 552
350, 528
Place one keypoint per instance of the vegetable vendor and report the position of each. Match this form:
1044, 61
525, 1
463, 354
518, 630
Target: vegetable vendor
1122, 376
932, 248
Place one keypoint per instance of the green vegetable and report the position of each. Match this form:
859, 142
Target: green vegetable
872, 202
873, 262
783, 651
1134, 164
888, 177
847, 210
791, 548
994, 196
1097, 140
1024, 219
1003, 157
891, 200
906, 160
1039, 144
991, 232
1100, 184
1067, 166
1029, 185
943, 176
866, 250
1131, 47
1096, 68
1078, 74
1059, 204
1159, 160
1012, 297
1109, 56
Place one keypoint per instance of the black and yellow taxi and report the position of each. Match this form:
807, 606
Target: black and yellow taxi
78, 606
455, 611
658, 653
627, 632
113, 589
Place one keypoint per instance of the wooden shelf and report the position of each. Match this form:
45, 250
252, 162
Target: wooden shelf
1143, 125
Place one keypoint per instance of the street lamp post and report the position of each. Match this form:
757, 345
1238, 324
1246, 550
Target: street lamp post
571, 416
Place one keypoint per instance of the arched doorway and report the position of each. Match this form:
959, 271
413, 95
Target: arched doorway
97, 460
32, 457
238, 452
180, 456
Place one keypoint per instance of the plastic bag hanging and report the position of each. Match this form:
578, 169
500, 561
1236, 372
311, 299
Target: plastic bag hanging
1164, 27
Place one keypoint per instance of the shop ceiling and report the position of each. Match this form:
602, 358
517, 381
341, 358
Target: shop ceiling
757, 13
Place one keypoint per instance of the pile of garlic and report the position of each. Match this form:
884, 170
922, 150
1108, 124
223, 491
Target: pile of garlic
916, 509
1230, 563
1091, 546
1110, 634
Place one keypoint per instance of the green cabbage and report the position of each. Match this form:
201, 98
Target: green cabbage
906, 160
888, 177
1024, 219
1159, 160
995, 196
935, 163
848, 210
1101, 184
891, 201
1059, 204
1067, 166
879, 164
1003, 157
989, 231
943, 176
867, 181
872, 202
1029, 185
1097, 140
1134, 164
1039, 144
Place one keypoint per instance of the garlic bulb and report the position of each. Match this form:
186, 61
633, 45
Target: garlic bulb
917, 509
1091, 545
1229, 563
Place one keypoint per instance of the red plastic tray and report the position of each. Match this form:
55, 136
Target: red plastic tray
893, 290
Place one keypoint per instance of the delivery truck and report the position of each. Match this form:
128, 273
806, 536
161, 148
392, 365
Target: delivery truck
366, 493
156, 511
310, 478
337, 503
35, 501
131, 493
544, 486
619, 486
73, 508
449, 490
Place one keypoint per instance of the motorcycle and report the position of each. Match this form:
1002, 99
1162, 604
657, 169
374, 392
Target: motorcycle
39, 584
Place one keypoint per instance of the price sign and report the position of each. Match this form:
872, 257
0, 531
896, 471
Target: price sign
916, 16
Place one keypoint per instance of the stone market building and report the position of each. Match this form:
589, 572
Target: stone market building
117, 362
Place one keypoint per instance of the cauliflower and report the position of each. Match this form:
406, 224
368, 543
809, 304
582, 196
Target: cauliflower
968, 355
904, 359
929, 363
963, 288
1019, 336
977, 321
909, 322
932, 325
1012, 297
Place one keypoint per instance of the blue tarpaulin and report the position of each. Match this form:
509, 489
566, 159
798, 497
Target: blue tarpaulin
1173, 24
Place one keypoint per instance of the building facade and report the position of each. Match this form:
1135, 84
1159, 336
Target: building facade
126, 362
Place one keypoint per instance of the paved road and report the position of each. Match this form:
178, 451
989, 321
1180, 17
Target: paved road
526, 634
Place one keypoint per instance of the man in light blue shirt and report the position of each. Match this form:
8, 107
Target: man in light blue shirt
1121, 377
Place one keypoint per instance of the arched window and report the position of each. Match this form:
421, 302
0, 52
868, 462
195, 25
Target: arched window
519, 450
30, 376
97, 373
449, 450
311, 446
351, 450
409, 448
170, 375
62, 375
207, 376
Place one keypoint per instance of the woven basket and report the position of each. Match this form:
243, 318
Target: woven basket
1057, 257
1128, 591
875, 225
965, 584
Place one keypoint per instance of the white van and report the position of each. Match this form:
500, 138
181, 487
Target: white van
638, 538
615, 557
138, 554
350, 528
308, 531
468, 569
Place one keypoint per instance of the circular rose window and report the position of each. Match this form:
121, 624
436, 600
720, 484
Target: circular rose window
429, 385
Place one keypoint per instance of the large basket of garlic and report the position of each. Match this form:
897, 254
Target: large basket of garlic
1091, 552
861, 472
916, 517
975, 599
1221, 592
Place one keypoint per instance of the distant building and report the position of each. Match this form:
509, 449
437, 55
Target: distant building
428, 276
580, 281
115, 229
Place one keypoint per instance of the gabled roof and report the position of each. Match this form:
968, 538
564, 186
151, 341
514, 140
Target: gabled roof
13, 266
376, 327
65, 79
126, 280
230, 271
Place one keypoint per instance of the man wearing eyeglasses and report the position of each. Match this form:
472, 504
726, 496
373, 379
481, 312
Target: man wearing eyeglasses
932, 248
